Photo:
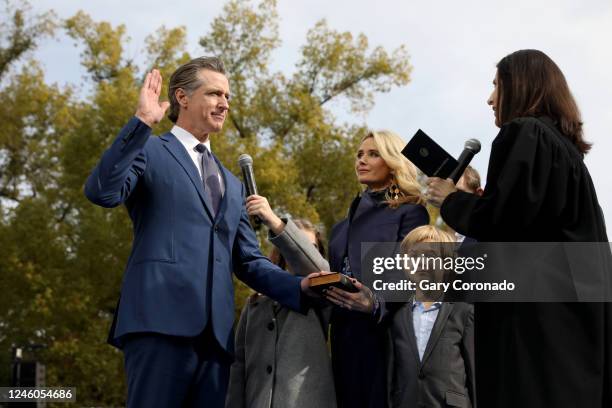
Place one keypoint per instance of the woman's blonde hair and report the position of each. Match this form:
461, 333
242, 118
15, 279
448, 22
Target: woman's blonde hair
390, 147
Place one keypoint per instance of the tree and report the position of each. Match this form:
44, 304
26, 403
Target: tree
63, 258
285, 122
20, 32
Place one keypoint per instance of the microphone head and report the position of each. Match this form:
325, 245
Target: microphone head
245, 160
472, 145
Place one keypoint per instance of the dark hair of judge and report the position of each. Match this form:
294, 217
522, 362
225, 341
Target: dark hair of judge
278, 259
531, 84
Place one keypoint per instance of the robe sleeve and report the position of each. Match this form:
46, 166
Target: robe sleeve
521, 170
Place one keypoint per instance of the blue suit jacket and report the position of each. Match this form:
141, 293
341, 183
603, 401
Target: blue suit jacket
178, 277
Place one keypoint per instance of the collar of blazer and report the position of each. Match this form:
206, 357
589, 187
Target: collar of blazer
177, 150
364, 203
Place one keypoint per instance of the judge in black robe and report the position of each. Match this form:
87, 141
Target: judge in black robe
537, 189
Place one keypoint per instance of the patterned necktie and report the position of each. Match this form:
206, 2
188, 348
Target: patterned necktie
210, 177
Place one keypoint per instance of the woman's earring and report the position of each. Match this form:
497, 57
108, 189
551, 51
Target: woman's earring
393, 192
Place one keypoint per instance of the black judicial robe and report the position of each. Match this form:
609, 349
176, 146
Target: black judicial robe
537, 354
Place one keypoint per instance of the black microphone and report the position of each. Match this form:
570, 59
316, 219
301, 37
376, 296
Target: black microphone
471, 147
246, 165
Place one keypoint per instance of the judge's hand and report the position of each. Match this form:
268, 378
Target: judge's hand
258, 206
149, 110
362, 301
438, 189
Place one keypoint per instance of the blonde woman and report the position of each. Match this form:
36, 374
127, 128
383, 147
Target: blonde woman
390, 206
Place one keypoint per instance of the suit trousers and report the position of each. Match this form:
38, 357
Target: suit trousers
170, 371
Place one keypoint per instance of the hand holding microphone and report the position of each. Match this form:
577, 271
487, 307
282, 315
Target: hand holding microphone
248, 176
258, 206
438, 189
471, 147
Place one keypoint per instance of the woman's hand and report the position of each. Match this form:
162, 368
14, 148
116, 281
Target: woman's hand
258, 206
438, 189
362, 301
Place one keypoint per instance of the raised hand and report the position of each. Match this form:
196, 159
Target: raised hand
149, 110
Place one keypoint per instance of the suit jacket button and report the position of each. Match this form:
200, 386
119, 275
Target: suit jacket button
216, 228
271, 326
269, 369
422, 375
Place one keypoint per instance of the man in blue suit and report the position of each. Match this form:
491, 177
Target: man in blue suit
191, 230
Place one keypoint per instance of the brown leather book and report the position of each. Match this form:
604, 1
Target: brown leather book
341, 281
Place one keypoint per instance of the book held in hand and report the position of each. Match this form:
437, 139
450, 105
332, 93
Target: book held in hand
339, 280
429, 156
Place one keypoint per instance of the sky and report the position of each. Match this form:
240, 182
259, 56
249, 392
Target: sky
454, 46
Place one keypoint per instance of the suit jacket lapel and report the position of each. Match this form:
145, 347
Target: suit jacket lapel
409, 327
177, 150
441, 320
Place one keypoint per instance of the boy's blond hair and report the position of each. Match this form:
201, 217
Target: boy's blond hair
429, 233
